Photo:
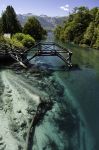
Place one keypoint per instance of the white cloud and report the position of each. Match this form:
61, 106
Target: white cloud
65, 8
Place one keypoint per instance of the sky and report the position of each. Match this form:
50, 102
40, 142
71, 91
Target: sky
46, 7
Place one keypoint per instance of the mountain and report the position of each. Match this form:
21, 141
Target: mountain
47, 22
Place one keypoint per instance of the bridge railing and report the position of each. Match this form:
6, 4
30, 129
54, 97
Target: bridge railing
47, 46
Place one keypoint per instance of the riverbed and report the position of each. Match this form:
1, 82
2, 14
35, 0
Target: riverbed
22, 92
72, 123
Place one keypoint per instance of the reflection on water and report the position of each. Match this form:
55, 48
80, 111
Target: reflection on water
84, 85
81, 85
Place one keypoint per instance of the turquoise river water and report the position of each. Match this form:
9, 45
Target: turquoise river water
81, 85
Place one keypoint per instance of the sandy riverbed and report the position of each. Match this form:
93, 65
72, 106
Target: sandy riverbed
20, 96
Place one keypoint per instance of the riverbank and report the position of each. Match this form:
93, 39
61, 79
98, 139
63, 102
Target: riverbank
21, 93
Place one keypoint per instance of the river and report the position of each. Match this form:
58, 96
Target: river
72, 123
81, 86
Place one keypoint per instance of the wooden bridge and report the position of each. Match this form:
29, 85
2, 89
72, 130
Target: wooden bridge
44, 49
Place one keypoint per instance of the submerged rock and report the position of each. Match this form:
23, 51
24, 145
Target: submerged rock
19, 111
2, 144
9, 91
23, 124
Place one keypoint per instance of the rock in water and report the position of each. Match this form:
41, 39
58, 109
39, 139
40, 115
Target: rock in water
2, 143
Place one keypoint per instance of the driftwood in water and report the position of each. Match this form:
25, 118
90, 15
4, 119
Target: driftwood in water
18, 59
43, 107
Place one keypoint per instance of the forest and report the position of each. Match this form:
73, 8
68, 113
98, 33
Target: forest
81, 27
21, 36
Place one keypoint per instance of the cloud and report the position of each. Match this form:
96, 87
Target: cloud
65, 8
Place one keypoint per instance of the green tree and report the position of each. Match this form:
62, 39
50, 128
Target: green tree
81, 21
97, 18
96, 44
69, 32
93, 13
10, 23
89, 34
81, 27
57, 32
34, 28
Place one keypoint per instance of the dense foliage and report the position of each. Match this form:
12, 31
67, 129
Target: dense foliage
34, 28
25, 39
81, 27
10, 24
10, 42
18, 40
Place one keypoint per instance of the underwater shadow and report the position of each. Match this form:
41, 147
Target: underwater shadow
74, 67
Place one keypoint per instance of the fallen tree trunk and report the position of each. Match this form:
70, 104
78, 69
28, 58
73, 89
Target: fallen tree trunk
43, 107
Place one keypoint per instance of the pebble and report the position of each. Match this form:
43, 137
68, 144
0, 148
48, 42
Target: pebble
14, 118
19, 111
1, 108
2, 144
20, 147
23, 124
15, 130
9, 91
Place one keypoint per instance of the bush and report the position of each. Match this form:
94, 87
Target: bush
28, 41
18, 40
2, 39
18, 36
25, 39
13, 42
16, 43
6, 43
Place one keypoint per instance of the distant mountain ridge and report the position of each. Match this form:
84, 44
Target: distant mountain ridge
47, 22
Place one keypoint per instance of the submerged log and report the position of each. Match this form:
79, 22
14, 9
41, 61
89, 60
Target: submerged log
43, 107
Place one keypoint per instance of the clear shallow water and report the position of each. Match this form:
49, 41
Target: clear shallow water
81, 84
84, 87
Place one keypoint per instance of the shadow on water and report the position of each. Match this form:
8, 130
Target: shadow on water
51, 67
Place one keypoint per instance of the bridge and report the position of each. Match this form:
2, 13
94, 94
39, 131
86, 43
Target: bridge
44, 49
51, 49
